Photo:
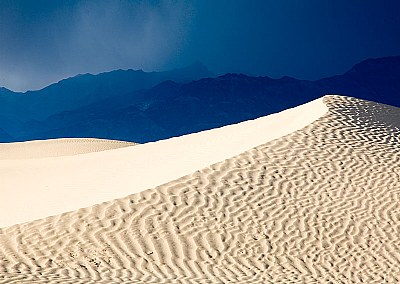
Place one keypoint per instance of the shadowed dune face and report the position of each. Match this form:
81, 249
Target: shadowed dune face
57, 148
320, 205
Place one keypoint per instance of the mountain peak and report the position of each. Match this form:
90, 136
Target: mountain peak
196, 67
5, 91
375, 64
233, 76
194, 71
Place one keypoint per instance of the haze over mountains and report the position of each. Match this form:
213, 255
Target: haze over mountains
141, 107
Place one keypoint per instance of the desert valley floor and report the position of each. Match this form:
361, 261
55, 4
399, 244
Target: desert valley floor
318, 205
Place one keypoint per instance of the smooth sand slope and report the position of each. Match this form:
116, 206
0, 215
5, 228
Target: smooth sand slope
319, 205
57, 148
45, 186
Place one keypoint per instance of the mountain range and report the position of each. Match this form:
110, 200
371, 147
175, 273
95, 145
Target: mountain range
139, 106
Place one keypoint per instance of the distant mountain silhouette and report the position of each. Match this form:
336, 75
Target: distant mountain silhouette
114, 109
373, 79
85, 89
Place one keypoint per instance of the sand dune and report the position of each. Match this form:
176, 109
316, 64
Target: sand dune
319, 205
57, 184
57, 148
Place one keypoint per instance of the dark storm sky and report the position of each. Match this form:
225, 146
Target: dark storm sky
44, 41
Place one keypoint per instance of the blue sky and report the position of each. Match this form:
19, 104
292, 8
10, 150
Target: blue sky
44, 41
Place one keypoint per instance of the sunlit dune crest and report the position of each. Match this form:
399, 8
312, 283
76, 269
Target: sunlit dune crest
63, 183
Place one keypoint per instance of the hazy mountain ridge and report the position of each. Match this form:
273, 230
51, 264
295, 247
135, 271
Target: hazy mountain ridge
85, 89
171, 109
372, 79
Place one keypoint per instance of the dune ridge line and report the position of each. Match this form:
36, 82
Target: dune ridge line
53, 185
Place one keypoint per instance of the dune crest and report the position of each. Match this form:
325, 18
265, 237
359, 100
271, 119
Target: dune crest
319, 205
54, 185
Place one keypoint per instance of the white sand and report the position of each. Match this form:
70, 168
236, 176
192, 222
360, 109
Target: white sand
319, 205
45, 186
57, 148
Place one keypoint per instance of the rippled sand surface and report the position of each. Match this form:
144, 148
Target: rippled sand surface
319, 205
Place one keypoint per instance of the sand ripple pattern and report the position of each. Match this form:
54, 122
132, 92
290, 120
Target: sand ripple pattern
320, 205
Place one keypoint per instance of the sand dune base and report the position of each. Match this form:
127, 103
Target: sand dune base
40, 149
320, 205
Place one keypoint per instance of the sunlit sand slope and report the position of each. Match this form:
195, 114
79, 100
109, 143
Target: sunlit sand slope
320, 205
49, 178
